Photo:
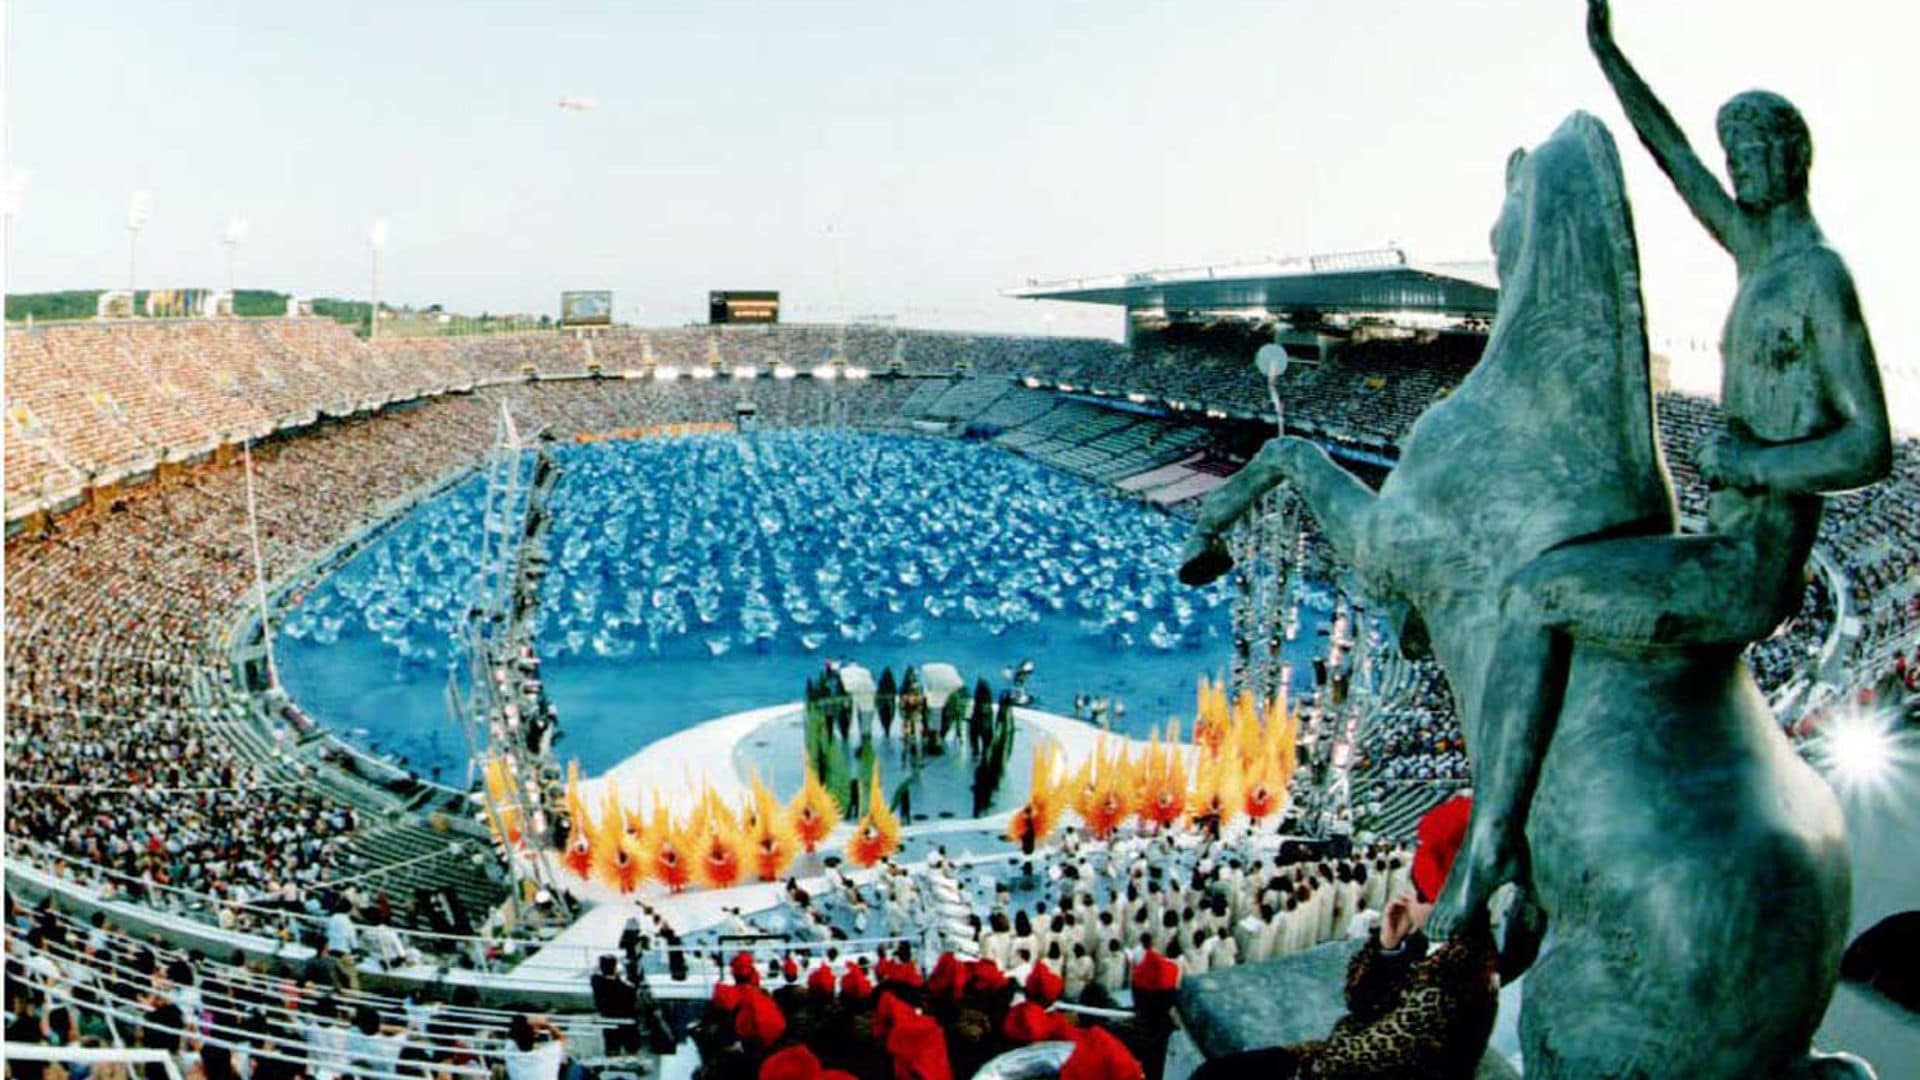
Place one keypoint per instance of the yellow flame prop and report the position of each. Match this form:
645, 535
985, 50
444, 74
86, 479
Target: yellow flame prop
770, 834
878, 834
1033, 822
814, 812
580, 832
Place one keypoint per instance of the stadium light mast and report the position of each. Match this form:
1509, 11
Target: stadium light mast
139, 208
259, 565
16, 199
377, 239
236, 232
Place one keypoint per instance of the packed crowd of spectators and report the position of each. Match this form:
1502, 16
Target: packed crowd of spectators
1415, 734
88, 984
91, 403
1875, 537
127, 757
124, 753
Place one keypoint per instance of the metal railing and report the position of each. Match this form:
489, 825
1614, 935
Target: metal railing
281, 933
92, 1056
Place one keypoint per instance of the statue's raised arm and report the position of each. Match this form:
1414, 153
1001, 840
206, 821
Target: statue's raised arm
1657, 129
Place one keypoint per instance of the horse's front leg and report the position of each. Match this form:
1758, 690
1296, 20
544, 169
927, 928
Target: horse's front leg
1338, 500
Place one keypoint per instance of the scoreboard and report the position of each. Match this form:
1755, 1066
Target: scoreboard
586, 308
739, 306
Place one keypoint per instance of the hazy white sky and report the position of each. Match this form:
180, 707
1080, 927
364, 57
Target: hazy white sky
909, 159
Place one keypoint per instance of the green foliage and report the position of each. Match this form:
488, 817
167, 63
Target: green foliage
884, 701
953, 715
991, 772
247, 303
259, 303
352, 312
44, 307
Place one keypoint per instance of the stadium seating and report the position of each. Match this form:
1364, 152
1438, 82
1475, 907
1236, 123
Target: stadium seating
135, 768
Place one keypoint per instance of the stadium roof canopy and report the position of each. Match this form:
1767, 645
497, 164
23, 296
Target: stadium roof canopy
1364, 282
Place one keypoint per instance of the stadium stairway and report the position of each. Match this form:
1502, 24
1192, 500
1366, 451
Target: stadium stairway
921, 402
969, 399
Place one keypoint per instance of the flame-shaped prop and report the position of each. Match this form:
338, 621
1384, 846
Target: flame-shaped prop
814, 812
878, 834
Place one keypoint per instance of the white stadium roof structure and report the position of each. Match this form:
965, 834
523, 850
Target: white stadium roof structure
1379, 282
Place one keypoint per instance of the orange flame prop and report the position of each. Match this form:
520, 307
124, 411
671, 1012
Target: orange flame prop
1247, 741
505, 816
878, 834
617, 860
1217, 790
668, 857
1264, 793
814, 812
1211, 719
771, 835
1271, 769
1038, 817
580, 832
1162, 799
716, 848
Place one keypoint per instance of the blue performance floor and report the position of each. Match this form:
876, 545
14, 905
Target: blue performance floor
697, 577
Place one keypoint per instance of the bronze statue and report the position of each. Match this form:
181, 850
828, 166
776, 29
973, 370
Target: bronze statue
1805, 415
1628, 775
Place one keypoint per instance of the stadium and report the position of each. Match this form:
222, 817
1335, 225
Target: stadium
759, 697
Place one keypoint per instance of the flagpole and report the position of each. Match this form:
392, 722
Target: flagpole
259, 566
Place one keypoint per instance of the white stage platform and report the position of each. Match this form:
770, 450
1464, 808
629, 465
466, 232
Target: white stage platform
678, 768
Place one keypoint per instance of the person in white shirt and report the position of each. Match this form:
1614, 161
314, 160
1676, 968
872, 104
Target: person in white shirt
1362, 924
1197, 959
1247, 933
1022, 965
1080, 972
326, 1042
373, 1046
997, 944
342, 938
1226, 953
530, 1057
1110, 968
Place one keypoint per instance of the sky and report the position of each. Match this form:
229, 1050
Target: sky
911, 160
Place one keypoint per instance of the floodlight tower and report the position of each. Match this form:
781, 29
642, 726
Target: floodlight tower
16, 197
139, 208
236, 233
259, 566
377, 239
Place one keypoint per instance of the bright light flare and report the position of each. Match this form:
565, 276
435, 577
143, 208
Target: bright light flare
666, 373
825, 373
1860, 750
782, 371
746, 371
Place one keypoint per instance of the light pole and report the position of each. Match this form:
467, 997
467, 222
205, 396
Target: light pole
236, 232
377, 239
16, 197
259, 566
139, 208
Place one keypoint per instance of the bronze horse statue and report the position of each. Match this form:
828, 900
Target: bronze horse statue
1693, 871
